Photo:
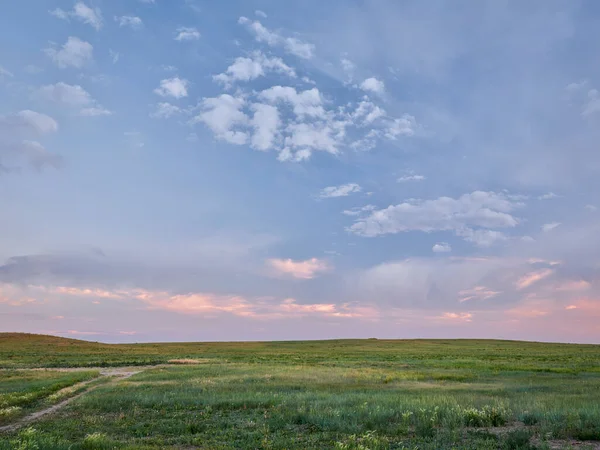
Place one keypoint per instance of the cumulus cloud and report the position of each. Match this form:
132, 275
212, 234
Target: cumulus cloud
133, 22
74, 53
290, 45
441, 247
304, 103
187, 34
367, 112
357, 211
266, 123
340, 191
83, 13
373, 85
260, 13
165, 110
401, 126
313, 124
484, 210
250, 68
305, 270
316, 135
222, 115
173, 87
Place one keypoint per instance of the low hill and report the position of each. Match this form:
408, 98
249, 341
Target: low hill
20, 350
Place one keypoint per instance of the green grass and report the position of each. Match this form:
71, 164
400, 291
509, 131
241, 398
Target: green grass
365, 394
22, 391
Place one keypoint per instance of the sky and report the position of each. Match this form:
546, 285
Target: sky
191, 170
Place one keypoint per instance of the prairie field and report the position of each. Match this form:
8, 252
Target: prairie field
344, 394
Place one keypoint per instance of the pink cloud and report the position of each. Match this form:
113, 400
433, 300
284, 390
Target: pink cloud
477, 293
299, 269
462, 317
533, 277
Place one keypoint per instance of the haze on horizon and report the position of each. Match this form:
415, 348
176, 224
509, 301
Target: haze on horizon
264, 170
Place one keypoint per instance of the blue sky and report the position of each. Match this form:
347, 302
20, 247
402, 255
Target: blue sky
194, 170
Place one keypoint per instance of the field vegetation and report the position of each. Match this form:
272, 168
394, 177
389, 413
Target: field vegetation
348, 394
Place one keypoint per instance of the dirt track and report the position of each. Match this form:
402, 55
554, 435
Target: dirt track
119, 373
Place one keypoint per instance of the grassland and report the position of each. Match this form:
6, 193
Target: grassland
350, 394
23, 391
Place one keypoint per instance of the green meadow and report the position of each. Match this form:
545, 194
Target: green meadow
346, 394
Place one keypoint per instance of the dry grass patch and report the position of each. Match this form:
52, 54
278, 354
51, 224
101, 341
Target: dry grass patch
188, 361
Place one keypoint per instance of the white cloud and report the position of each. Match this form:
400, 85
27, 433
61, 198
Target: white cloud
66, 94
72, 96
4, 72
299, 48
246, 69
291, 45
288, 155
60, 14
172, 87
548, 196
187, 34
96, 111
260, 13
550, 226
484, 210
412, 177
373, 85
265, 122
403, 126
222, 114
339, 191
591, 208
305, 270
130, 21
368, 112
317, 136
83, 13
147, 1
305, 103
165, 110
74, 53
441, 247
357, 211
